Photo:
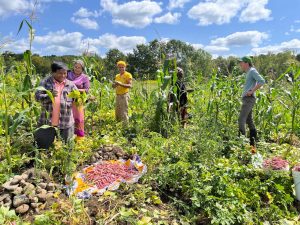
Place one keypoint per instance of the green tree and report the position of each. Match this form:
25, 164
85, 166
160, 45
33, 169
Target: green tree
110, 61
144, 61
196, 61
42, 65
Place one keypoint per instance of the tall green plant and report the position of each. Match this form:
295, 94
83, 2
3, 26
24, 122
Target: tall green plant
6, 105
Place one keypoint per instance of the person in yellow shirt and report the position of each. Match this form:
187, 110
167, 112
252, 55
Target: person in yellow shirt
122, 84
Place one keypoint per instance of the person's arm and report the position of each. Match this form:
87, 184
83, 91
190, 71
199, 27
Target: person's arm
86, 85
126, 85
256, 87
260, 81
41, 95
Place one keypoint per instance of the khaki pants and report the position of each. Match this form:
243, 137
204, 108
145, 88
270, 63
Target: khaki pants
121, 109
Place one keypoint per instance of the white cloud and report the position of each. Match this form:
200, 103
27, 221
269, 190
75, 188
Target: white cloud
255, 11
223, 11
215, 49
83, 12
292, 45
253, 38
86, 23
74, 43
168, 18
132, 14
60, 43
47, 1
177, 3
292, 29
60, 38
197, 46
14, 7
18, 46
215, 11
123, 43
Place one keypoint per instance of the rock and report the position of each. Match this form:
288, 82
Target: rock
19, 200
16, 179
24, 176
50, 187
42, 197
9, 187
40, 190
33, 199
7, 202
108, 149
35, 205
22, 209
43, 191
23, 183
100, 152
117, 149
7, 199
119, 154
4, 196
97, 155
30, 186
58, 186
93, 159
49, 195
42, 185
18, 191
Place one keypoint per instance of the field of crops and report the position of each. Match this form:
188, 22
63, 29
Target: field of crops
202, 174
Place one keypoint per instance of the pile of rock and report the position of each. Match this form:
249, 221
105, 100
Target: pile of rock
28, 191
109, 152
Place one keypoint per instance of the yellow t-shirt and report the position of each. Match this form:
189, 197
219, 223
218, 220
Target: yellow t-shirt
124, 80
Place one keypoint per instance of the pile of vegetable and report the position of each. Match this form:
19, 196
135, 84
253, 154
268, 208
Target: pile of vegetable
27, 192
106, 173
297, 168
276, 163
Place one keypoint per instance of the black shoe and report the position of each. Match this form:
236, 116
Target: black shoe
253, 137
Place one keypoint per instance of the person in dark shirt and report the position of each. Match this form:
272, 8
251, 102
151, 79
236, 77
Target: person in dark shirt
181, 98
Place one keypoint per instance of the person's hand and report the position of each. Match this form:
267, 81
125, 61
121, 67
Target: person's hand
250, 93
54, 93
118, 83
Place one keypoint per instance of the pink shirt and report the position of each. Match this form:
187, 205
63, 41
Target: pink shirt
56, 105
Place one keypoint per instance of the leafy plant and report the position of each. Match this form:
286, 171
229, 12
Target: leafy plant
79, 97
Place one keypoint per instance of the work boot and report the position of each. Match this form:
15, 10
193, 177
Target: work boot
253, 137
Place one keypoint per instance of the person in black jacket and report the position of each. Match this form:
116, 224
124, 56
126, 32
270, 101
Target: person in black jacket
180, 99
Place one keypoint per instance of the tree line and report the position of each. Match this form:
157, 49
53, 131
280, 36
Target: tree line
146, 59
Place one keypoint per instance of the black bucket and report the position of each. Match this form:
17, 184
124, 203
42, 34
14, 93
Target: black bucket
44, 137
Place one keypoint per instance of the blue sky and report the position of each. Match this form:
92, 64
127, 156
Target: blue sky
221, 27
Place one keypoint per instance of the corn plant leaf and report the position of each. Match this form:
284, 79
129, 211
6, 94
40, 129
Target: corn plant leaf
18, 119
27, 84
21, 25
166, 82
49, 93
